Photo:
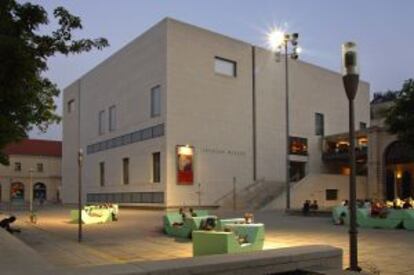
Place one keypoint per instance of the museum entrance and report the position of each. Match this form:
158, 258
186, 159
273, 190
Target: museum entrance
399, 163
39, 191
297, 170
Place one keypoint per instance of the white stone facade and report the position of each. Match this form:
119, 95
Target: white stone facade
236, 124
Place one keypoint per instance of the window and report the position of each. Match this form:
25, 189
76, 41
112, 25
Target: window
156, 169
362, 125
40, 167
112, 118
125, 170
156, 101
71, 104
225, 66
298, 146
102, 122
331, 194
17, 166
102, 173
319, 124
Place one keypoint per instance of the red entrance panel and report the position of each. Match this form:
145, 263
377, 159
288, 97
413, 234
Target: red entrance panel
185, 173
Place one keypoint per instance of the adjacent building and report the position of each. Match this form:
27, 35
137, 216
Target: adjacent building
34, 164
182, 116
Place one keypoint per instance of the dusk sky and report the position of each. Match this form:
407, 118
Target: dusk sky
382, 29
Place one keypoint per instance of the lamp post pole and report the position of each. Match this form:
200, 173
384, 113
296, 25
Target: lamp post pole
351, 81
31, 170
287, 127
293, 39
80, 162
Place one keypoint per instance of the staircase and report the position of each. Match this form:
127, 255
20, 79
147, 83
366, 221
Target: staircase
251, 197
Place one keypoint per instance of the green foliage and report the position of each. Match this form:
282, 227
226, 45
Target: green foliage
400, 117
26, 95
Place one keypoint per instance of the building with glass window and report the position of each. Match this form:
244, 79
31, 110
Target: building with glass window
34, 164
185, 116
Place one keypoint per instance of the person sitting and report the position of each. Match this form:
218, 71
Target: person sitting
376, 209
192, 213
208, 224
367, 204
407, 204
306, 208
5, 223
314, 206
345, 203
397, 204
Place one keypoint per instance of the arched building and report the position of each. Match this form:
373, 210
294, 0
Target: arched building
390, 162
43, 158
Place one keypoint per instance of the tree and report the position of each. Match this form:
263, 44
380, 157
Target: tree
400, 117
27, 96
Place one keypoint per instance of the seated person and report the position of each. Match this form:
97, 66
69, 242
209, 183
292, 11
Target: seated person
208, 224
248, 218
345, 203
397, 204
341, 220
306, 208
5, 223
376, 209
183, 216
314, 206
367, 204
192, 213
407, 204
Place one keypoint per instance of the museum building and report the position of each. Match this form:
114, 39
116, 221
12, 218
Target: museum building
185, 116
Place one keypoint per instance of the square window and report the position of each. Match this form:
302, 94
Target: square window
225, 66
18, 166
331, 194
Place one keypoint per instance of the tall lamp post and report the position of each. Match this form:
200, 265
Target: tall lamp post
280, 41
351, 80
80, 162
32, 216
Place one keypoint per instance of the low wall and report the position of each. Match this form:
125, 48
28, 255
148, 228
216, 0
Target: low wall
313, 257
17, 258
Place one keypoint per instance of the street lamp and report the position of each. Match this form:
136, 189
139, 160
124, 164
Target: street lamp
279, 41
80, 161
31, 216
351, 80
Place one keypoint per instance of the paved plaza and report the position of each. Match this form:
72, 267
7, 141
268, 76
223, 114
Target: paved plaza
137, 236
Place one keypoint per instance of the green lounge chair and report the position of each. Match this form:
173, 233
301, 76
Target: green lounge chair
220, 242
92, 216
337, 212
393, 219
221, 223
174, 225
408, 219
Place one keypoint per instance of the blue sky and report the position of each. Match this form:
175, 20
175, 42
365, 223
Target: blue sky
383, 30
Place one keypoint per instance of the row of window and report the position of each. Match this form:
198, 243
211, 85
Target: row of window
126, 197
137, 136
320, 124
18, 167
156, 170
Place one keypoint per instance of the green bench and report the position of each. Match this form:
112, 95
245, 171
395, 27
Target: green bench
221, 242
174, 225
339, 211
393, 219
93, 214
408, 219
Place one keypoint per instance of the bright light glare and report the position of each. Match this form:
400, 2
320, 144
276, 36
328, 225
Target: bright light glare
299, 50
275, 39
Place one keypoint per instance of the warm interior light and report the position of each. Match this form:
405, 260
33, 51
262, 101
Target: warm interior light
185, 150
275, 38
399, 175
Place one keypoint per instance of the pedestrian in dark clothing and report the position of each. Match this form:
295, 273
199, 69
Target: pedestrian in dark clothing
5, 223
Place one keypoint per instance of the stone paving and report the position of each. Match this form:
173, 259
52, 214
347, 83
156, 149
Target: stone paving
137, 236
